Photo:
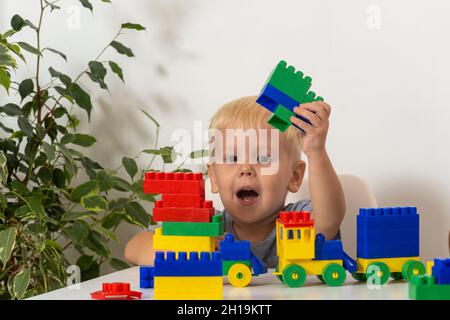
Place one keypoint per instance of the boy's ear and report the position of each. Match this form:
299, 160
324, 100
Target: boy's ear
212, 178
297, 176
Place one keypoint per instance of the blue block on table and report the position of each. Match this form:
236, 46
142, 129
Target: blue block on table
208, 264
441, 271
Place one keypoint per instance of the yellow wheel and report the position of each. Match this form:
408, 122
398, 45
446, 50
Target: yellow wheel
239, 275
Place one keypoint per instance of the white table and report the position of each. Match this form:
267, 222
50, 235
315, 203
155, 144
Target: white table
265, 287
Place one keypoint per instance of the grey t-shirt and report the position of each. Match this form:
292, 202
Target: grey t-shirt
266, 249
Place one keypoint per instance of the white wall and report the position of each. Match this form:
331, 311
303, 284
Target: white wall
387, 87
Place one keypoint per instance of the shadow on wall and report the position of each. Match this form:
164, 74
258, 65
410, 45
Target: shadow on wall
432, 205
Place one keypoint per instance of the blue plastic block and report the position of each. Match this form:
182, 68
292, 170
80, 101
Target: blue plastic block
146, 277
258, 266
441, 271
349, 263
387, 232
231, 249
270, 97
209, 264
328, 249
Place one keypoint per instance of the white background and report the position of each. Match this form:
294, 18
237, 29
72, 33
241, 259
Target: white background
382, 65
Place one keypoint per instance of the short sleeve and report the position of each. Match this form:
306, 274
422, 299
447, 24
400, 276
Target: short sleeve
302, 205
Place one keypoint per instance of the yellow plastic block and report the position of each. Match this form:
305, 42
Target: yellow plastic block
295, 243
188, 284
311, 266
182, 243
430, 265
394, 264
188, 296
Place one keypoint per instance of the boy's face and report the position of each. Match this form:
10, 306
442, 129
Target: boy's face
249, 191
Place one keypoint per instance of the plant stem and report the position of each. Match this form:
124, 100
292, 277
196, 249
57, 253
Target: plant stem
38, 61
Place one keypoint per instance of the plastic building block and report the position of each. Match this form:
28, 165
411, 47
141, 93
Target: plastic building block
203, 214
271, 97
209, 264
258, 266
182, 243
328, 249
281, 118
182, 200
394, 264
349, 264
188, 296
425, 288
387, 232
430, 265
293, 219
146, 277
202, 284
287, 80
231, 249
173, 183
227, 264
116, 291
441, 271
211, 229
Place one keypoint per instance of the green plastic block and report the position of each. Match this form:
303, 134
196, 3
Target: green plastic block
226, 265
425, 288
287, 80
281, 118
206, 229
310, 97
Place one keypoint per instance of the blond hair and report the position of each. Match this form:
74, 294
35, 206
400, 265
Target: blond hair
246, 113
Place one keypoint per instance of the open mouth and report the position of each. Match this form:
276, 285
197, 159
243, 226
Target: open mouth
247, 196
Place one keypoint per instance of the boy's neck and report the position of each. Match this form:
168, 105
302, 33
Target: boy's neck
255, 232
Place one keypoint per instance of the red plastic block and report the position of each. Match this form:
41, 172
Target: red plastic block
183, 200
116, 291
204, 214
295, 219
173, 183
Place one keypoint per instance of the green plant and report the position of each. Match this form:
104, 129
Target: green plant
43, 210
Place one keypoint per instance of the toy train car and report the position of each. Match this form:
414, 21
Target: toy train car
387, 246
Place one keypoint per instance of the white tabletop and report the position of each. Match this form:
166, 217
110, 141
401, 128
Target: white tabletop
265, 287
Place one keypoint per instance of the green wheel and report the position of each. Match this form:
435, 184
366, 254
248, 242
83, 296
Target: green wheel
334, 274
396, 275
319, 276
412, 269
294, 275
359, 276
379, 271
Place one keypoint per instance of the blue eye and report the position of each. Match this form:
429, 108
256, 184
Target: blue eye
264, 160
230, 159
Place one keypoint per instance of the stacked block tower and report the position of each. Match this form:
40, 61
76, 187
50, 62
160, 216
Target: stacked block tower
285, 89
433, 286
190, 269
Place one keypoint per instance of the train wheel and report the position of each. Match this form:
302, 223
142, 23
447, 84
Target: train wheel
334, 274
239, 275
380, 270
359, 276
279, 276
294, 275
396, 275
412, 269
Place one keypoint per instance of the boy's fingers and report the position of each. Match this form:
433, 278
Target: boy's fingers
311, 116
322, 109
302, 124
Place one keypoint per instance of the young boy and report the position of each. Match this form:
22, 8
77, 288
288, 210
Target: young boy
252, 199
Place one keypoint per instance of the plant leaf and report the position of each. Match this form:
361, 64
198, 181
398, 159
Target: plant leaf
76, 215
5, 80
81, 98
11, 109
198, 154
83, 190
80, 230
130, 166
120, 48
116, 69
57, 52
17, 22
20, 283
25, 88
83, 140
86, 4
25, 126
28, 47
7, 244
98, 73
37, 208
94, 203
134, 26
119, 264
136, 213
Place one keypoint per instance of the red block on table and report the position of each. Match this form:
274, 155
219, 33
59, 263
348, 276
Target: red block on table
173, 183
182, 200
116, 291
164, 214
295, 219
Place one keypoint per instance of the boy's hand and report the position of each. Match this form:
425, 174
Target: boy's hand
315, 135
